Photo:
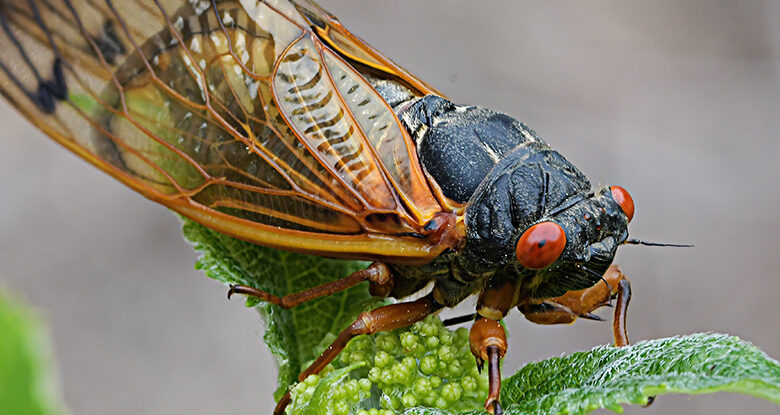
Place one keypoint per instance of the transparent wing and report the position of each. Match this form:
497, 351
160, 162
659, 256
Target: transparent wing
232, 113
330, 29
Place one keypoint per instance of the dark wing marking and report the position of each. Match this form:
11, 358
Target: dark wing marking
233, 113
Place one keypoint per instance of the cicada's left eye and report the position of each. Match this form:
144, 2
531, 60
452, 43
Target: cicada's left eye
541, 245
623, 199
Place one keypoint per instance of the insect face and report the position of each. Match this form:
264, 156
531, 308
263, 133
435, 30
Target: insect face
594, 227
535, 216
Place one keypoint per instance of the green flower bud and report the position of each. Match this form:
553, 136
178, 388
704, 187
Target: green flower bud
387, 376
382, 359
451, 392
432, 342
338, 394
375, 374
468, 383
424, 365
446, 337
446, 354
422, 386
462, 334
429, 400
440, 403
416, 327
340, 408
391, 402
429, 327
387, 341
352, 389
435, 381
327, 371
455, 369
401, 374
409, 340
365, 384
428, 365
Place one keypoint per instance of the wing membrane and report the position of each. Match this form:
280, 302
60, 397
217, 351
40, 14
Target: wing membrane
345, 42
232, 113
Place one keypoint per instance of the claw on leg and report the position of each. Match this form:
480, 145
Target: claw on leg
497, 409
252, 292
575, 304
591, 316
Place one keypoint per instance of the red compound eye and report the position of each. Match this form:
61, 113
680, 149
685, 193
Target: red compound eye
540, 245
623, 199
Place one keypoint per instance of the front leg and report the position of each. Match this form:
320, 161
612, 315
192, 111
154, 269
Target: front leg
568, 307
487, 340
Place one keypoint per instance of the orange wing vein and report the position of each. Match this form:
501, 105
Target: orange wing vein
246, 116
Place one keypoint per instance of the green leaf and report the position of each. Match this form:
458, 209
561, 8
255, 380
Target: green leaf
27, 381
295, 336
607, 377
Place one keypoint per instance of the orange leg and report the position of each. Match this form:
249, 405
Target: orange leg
487, 340
389, 317
377, 274
568, 307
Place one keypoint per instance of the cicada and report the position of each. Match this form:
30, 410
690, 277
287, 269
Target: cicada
269, 121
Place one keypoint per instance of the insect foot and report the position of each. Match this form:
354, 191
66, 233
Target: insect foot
574, 304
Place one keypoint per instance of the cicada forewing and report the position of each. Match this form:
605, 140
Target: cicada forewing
249, 117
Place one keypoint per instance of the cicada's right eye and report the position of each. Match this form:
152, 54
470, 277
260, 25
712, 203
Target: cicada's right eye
541, 245
623, 199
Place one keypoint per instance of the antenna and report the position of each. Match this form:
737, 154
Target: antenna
646, 243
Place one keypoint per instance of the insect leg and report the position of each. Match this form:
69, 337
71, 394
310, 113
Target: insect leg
568, 307
377, 274
389, 317
487, 340
619, 320
459, 319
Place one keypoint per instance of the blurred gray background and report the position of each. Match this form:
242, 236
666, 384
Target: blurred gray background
679, 102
